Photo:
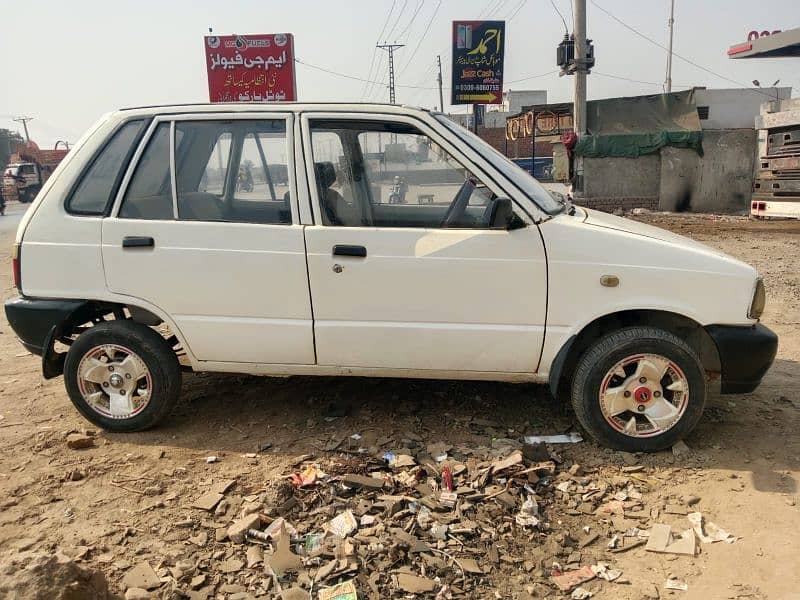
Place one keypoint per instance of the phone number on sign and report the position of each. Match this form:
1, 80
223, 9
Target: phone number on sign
476, 87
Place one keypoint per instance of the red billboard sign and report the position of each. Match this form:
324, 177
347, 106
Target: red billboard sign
250, 68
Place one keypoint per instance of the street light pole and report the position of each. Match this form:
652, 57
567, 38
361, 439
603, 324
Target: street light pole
439, 79
580, 67
668, 82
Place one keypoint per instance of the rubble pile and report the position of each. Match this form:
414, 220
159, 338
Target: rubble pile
425, 520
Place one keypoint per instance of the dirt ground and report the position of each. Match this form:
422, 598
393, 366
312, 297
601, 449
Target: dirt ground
128, 499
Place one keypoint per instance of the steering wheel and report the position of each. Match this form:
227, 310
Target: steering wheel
457, 208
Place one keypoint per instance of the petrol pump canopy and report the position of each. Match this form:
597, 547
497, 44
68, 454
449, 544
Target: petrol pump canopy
630, 127
778, 45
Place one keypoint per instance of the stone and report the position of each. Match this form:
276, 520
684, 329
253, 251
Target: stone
141, 576
238, 531
207, 501
78, 441
30, 575
137, 594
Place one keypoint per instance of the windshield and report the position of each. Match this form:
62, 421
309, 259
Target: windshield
521, 178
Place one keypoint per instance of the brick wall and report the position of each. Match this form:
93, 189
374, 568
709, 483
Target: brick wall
611, 204
520, 148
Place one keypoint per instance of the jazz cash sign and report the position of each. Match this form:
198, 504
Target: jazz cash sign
478, 53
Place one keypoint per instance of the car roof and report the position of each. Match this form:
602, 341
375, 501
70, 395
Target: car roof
245, 107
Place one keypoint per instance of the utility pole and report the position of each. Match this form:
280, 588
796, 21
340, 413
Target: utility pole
439, 79
668, 82
24, 121
390, 48
580, 67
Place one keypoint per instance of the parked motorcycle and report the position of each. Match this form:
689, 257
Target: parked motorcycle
397, 193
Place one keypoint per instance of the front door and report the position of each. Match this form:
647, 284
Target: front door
215, 241
405, 272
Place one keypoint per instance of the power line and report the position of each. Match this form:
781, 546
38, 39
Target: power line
397, 21
519, 8
375, 50
527, 77
413, 18
555, 8
422, 38
356, 78
683, 58
595, 72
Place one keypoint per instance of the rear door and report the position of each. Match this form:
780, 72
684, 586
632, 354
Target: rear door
204, 230
392, 285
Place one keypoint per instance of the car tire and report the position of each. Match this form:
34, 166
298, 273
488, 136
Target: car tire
132, 366
639, 389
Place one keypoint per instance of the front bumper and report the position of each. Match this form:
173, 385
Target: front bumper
745, 355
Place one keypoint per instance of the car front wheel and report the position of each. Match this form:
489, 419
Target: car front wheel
639, 389
122, 376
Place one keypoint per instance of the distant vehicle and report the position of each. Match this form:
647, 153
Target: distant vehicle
26, 177
776, 190
495, 278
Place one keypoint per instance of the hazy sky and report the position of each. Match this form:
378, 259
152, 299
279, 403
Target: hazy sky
66, 63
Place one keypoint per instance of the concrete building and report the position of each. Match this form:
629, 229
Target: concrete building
719, 179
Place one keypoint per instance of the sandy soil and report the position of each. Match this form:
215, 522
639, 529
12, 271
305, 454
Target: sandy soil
133, 490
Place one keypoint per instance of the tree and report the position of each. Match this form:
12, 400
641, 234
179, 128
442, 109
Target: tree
8, 141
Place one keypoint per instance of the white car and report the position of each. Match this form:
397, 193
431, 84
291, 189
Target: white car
163, 242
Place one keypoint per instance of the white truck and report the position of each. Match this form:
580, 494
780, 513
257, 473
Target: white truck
144, 257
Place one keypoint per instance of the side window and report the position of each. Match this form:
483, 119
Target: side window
216, 171
392, 175
100, 181
149, 193
233, 171
334, 178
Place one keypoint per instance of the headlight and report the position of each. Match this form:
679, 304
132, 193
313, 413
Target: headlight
759, 299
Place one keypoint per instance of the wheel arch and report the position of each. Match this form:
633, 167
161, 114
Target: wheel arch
97, 311
688, 329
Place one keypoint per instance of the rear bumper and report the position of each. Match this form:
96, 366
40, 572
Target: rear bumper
745, 355
39, 322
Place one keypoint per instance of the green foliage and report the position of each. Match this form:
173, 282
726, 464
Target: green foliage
8, 141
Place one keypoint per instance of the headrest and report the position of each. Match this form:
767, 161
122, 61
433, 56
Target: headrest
326, 173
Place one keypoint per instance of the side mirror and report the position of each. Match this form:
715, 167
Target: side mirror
502, 216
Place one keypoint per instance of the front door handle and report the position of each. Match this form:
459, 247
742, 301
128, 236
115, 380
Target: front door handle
347, 250
133, 241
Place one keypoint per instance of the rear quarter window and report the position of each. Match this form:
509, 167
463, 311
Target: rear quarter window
98, 183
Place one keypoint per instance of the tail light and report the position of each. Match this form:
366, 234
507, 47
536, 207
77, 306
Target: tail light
15, 265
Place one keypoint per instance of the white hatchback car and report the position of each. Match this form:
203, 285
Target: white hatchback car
338, 239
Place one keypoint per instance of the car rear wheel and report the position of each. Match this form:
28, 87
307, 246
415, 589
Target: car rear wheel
122, 376
639, 389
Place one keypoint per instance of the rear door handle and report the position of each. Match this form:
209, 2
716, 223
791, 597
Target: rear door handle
347, 250
132, 241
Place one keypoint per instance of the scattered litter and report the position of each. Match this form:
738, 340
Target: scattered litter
674, 584
528, 515
283, 560
212, 459
661, 541
709, 532
414, 584
569, 438
603, 571
343, 591
570, 579
343, 524
307, 476
580, 594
